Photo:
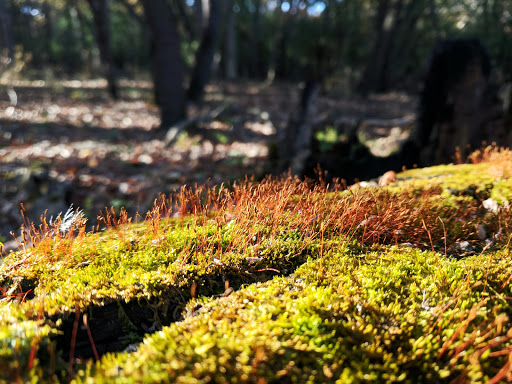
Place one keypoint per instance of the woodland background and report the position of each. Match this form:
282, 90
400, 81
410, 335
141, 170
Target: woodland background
109, 103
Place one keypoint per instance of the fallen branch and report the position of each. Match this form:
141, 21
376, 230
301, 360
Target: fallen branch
398, 122
360, 120
175, 130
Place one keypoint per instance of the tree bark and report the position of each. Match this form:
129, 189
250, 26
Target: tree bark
204, 55
256, 69
371, 74
201, 12
144, 29
181, 14
100, 12
48, 11
74, 38
295, 148
280, 63
229, 58
5, 21
435, 20
166, 62
133, 13
394, 29
404, 38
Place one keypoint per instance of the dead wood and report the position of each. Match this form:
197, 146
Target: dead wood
175, 130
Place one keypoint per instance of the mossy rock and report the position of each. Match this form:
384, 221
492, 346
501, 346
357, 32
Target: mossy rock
278, 281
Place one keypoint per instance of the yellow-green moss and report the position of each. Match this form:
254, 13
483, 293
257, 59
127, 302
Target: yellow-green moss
454, 179
22, 336
502, 191
362, 308
384, 317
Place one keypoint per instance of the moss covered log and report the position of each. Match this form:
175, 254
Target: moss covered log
278, 281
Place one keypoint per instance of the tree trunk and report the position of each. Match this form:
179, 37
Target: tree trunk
391, 17
48, 11
5, 21
229, 58
256, 39
396, 21
166, 62
133, 13
144, 31
201, 13
204, 55
404, 38
435, 20
73, 40
181, 14
295, 148
370, 79
100, 11
279, 64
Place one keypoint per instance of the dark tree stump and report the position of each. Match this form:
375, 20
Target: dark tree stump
455, 103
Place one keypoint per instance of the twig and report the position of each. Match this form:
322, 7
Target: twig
73, 342
268, 269
429, 236
90, 337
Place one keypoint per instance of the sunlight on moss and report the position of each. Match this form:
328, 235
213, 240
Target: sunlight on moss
365, 320
278, 281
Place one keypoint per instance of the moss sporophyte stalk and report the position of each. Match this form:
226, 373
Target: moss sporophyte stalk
277, 281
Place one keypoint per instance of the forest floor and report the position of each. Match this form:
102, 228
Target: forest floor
67, 143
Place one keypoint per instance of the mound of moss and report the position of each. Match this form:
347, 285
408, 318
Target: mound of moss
278, 281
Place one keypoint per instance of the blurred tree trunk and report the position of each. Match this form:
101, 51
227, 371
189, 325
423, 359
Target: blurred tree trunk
100, 12
256, 69
134, 14
435, 19
73, 40
296, 146
181, 15
49, 14
229, 53
404, 38
485, 17
90, 58
395, 23
204, 54
502, 23
166, 62
372, 75
282, 65
278, 67
144, 30
201, 11
5, 21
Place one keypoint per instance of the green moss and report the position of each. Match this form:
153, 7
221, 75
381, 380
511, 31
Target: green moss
25, 342
502, 191
346, 302
103, 268
462, 179
342, 318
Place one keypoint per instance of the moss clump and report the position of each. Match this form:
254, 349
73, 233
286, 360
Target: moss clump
26, 350
342, 317
502, 191
403, 283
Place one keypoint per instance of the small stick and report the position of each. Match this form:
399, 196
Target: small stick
90, 337
193, 290
267, 269
73, 341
